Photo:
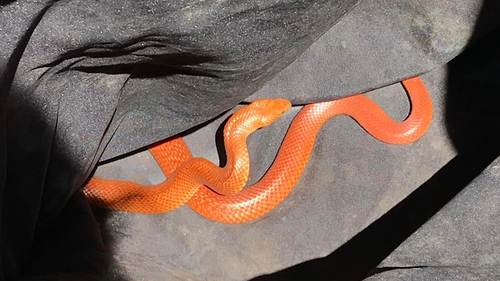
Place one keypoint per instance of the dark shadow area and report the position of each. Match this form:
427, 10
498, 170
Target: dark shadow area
219, 142
72, 247
6, 2
472, 119
145, 70
29, 247
66, 247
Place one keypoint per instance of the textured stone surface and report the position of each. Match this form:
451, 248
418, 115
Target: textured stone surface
439, 274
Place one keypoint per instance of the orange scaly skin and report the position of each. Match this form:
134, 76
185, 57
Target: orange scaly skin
260, 198
189, 173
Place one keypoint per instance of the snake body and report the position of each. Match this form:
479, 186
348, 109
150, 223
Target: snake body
218, 193
186, 173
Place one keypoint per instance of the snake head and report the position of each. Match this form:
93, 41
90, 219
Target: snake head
269, 110
254, 116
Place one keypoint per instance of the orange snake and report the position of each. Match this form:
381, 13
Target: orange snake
219, 194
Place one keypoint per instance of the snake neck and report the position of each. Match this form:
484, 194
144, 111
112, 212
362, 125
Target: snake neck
236, 134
